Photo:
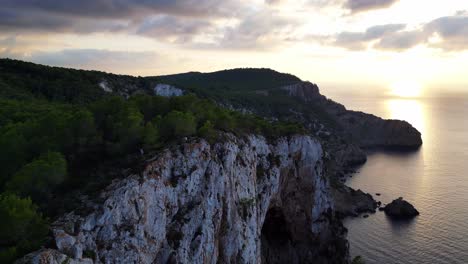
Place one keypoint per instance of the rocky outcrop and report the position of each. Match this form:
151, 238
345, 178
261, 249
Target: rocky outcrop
307, 91
348, 155
105, 86
349, 202
366, 130
243, 201
167, 90
400, 209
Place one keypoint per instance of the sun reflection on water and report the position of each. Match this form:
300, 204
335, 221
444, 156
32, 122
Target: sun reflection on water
410, 110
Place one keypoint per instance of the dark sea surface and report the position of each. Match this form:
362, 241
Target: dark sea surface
434, 179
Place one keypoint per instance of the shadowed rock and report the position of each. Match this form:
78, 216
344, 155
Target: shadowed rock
400, 209
349, 202
366, 130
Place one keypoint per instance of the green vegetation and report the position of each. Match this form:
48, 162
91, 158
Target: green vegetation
24, 80
248, 79
253, 89
22, 228
39, 178
61, 136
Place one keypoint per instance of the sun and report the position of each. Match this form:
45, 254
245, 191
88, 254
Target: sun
406, 88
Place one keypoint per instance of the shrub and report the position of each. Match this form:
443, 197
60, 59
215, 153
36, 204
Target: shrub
22, 228
358, 260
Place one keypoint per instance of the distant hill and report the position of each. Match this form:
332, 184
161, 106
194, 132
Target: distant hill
241, 79
22, 80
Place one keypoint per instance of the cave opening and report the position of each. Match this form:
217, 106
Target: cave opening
274, 229
275, 237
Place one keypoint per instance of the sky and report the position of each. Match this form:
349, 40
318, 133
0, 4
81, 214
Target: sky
404, 46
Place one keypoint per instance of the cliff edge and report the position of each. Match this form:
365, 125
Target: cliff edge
366, 130
241, 201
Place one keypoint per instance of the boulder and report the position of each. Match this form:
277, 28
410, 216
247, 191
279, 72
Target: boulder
400, 209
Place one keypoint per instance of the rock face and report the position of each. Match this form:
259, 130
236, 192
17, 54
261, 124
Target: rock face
366, 130
105, 86
306, 90
243, 201
167, 90
400, 209
349, 202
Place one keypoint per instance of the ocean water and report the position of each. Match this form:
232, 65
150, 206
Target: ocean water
434, 179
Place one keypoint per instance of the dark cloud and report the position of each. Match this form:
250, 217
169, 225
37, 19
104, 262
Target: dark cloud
171, 28
365, 5
86, 16
123, 8
13, 21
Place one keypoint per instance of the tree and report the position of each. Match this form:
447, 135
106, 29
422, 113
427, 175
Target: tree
178, 124
208, 132
39, 178
13, 153
82, 132
151, 106
22, 228
150, 136
225, 121
120, 123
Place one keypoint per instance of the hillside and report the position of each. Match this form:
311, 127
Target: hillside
25, 80
66, 134
64, 137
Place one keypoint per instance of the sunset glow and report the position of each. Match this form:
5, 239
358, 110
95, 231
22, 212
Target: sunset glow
364, 42
406, 89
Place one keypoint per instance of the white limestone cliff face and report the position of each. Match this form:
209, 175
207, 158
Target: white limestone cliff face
105, 86
167, 90
242, 201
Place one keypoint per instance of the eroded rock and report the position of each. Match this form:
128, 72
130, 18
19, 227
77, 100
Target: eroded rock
349, 202
400, 209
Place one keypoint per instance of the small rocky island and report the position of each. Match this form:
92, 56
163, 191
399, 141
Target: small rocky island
400, 209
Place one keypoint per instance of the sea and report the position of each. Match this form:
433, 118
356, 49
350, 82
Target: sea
434, 179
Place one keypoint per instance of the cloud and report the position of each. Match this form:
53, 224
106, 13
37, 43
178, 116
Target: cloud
450, 33
19, 21
86, 16
170, 28
360, 40
452, 30
259, 30
401, 40
89, 59
229, 24
365, 5
124, 8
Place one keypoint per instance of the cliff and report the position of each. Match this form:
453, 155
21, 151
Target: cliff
366, 130
241, 201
